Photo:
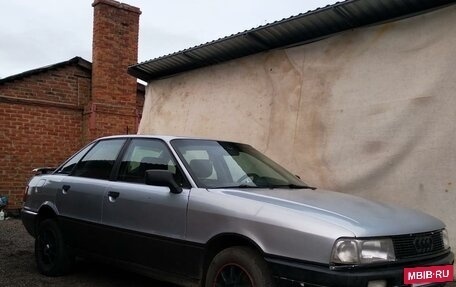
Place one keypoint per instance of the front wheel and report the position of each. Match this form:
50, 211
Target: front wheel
52, 256
238, 267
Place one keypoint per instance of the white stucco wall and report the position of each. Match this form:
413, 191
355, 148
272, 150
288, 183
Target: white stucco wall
370, 112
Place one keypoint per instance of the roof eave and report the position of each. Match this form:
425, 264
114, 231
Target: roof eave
296, 30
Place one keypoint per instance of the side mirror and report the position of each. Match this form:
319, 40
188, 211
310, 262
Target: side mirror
162, 178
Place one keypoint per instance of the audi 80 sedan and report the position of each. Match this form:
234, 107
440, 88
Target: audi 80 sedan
201, 212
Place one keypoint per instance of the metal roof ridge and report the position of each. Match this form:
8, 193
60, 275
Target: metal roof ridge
300, 29
274, 23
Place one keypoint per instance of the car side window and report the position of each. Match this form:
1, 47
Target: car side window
147, 154
71, 163
99, 161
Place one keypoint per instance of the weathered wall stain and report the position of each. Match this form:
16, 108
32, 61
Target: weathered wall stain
373, 147
369, 112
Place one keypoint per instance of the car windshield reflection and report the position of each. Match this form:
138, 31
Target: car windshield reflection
219, 164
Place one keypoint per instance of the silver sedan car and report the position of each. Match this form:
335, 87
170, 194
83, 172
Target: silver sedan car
211, 213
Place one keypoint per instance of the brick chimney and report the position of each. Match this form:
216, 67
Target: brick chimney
112, 109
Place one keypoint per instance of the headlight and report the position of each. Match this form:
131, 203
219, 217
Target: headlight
445, 239
355, 251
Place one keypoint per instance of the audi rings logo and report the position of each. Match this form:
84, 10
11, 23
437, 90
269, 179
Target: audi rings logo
423, 244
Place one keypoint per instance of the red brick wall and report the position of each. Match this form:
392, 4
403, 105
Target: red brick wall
115, 46
47, 116
41, 119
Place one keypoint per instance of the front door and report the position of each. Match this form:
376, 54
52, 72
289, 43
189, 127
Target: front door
147, 223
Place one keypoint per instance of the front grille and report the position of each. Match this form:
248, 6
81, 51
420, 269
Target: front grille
418, 244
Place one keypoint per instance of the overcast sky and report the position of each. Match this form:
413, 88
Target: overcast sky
38, 33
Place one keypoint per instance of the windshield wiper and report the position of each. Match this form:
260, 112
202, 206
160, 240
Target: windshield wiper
294, 186
239, 186
270, 186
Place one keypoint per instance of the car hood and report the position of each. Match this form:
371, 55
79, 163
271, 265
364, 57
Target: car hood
363, 217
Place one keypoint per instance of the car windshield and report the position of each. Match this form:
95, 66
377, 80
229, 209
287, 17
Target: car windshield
217, 164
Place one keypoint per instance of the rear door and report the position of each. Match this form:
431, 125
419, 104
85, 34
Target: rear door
80, 194
147, 223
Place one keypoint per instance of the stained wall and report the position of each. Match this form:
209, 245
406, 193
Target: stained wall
370, 111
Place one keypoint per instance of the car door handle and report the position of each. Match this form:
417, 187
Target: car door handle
113, 195
65, 189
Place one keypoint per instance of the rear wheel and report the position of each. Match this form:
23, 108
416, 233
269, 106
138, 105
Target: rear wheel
238, 267
52, 256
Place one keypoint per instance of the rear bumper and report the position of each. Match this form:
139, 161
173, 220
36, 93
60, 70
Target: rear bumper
289, 273
28, 218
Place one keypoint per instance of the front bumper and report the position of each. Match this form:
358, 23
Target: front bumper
28, 218
289, 273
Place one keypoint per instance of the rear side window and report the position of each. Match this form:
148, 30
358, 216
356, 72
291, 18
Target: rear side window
71, 163
99, 161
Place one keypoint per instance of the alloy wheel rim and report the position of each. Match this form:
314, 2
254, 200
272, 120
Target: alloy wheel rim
47, 245
232, 275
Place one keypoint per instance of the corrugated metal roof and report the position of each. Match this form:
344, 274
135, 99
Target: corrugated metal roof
300, 29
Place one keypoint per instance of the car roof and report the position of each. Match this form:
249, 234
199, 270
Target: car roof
166, 138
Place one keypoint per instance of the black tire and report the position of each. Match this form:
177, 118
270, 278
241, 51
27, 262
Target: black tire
52, 257
238, 266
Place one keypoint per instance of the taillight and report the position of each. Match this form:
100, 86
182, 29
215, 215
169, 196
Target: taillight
24, 198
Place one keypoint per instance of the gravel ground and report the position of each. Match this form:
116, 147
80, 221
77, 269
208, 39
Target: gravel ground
17, 266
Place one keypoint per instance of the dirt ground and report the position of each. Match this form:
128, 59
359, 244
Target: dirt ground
17, 266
